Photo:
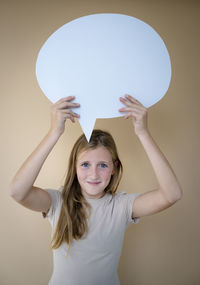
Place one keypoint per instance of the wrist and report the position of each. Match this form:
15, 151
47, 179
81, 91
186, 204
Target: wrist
54, 134
143, 134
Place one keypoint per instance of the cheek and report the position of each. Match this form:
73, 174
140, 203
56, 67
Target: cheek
80, 174
107, 174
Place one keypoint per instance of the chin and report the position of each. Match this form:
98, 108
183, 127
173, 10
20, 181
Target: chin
94, 193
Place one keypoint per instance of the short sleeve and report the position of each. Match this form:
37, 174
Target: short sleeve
55, 203
128, 200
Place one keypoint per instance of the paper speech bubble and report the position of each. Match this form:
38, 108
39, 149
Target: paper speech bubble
99, 58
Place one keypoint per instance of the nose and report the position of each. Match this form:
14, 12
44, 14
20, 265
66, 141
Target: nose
94, 172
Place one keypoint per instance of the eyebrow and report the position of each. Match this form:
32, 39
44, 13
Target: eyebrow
101, 161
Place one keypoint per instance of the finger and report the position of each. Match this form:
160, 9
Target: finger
128, 116
126, 102
130, 103
72, 119
65, 105
126, 109
133, 113
132, 99
131, 109
70, 112
65, 99
68, 98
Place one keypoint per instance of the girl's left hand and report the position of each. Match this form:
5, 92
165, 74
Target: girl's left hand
138, 113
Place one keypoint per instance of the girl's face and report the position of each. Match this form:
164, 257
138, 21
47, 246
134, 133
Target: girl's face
94, 169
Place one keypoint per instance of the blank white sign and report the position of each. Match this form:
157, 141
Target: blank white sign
99, 58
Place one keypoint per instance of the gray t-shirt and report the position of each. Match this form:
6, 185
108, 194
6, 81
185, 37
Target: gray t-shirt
93, 260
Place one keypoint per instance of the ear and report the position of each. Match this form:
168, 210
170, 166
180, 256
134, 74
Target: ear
116, 163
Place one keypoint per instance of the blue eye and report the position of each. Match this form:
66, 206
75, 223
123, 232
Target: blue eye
103, 165
85, 164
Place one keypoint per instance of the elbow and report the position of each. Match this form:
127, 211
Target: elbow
11, 190
14, 193
177, 195
181, 194
177, 198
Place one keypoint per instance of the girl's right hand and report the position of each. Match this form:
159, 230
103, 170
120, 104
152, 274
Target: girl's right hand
60, 111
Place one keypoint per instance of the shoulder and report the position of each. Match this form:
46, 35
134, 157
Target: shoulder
125, 199
122, 195
124, 203
56, 201
55, 194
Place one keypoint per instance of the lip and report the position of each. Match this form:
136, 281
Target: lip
93, 183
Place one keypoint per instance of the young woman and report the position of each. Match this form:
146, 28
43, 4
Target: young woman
88, 217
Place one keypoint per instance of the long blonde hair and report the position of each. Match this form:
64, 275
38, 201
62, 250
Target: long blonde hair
75, 210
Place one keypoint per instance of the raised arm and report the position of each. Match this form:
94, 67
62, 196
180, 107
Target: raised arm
22, 186
169, 190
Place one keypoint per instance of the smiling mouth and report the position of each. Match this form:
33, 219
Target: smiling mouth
93, 183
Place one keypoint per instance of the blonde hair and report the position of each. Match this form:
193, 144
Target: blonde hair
75, 210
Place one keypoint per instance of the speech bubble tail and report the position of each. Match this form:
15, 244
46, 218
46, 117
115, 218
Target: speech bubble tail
87, 126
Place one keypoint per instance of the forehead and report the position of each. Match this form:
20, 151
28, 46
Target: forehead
98, 153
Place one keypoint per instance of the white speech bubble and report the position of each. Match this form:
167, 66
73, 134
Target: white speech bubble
99, 58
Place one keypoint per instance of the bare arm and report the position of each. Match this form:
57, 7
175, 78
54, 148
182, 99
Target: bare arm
169, 190
22, 186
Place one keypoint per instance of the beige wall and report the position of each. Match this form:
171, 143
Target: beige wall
161, 249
